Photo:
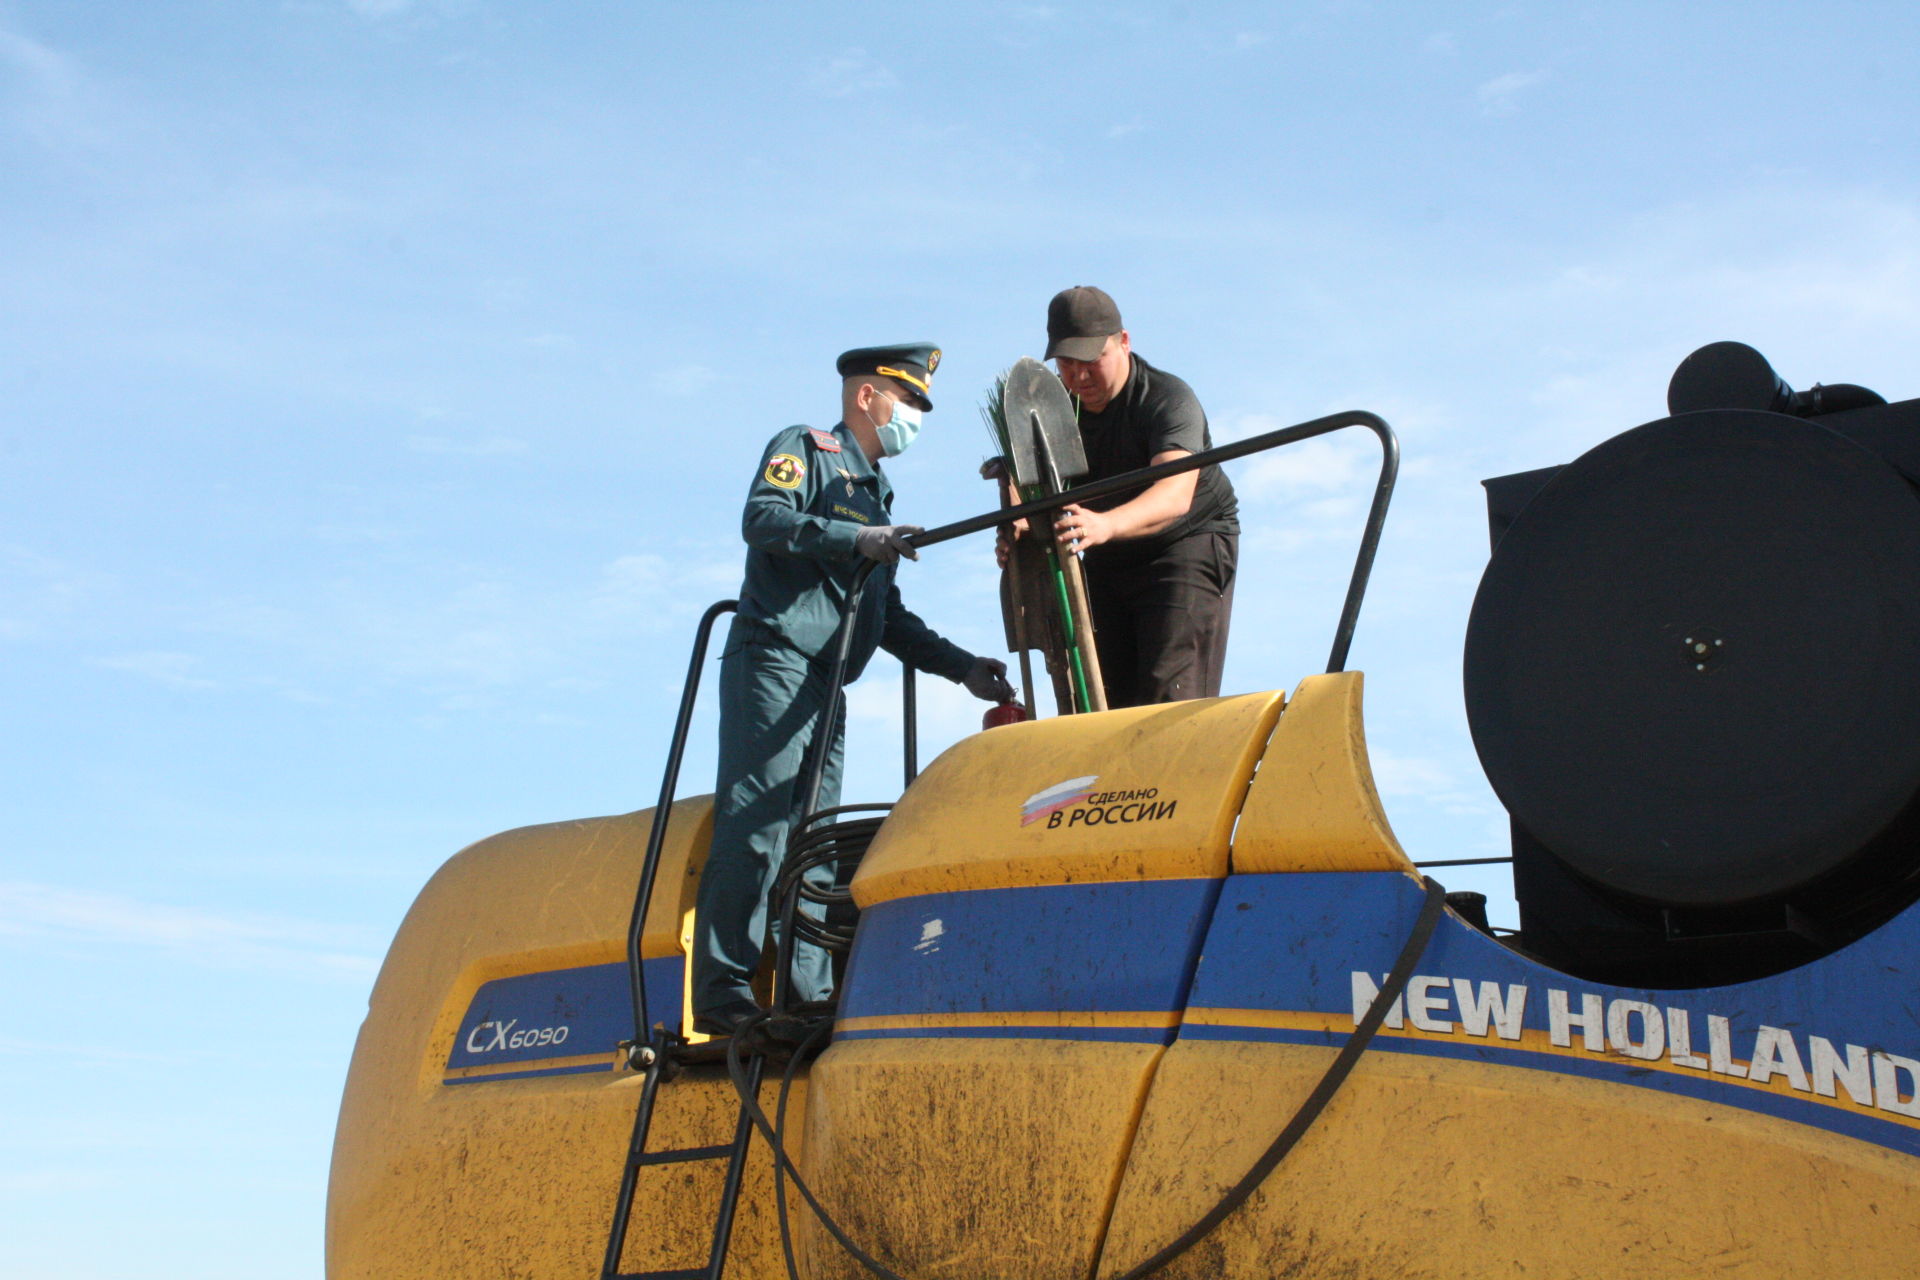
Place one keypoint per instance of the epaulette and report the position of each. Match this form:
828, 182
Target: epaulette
824, 441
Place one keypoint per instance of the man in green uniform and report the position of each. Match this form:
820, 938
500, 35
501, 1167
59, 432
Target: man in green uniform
819, 508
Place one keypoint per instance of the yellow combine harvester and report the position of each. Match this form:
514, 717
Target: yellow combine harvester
1156, 990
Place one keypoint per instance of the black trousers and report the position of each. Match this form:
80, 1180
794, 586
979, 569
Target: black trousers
1161, 624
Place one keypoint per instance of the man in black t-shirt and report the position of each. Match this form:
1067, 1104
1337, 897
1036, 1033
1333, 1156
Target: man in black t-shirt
1159, 559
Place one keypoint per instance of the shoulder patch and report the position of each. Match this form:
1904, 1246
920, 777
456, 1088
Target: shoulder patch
784, 471
824, 441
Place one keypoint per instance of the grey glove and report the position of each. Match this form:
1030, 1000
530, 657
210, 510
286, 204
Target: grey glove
986, 680
886, 543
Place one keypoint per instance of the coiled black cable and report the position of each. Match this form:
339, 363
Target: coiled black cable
817, 843
837, 845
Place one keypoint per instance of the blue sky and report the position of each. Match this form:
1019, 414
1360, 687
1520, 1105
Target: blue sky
379, 382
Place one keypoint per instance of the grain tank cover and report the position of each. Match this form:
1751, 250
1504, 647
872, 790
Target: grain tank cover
1693, 665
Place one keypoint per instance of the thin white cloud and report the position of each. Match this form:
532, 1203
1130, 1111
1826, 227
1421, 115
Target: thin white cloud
41, 913
292, 205
487, 447
1126, 128
1822, 286
1441, 44
628, 585
113, 1054
287, 690
421, 11
1398, 775
1590, 278
37, 62
30, 1182
361, 534
1250, 39
37, 589
175, 670
46, 97
634, 589
1499, 95
481, 637
944, 712
1340, 464
850, 73
687, 380
1278, 543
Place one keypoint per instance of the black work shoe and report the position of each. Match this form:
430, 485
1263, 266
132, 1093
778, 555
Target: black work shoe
727, 1019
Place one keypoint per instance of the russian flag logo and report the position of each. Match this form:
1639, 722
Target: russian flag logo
1061, 795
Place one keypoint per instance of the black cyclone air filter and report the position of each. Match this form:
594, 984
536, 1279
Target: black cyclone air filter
1693, 665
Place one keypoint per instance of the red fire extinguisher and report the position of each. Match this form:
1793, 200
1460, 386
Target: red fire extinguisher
1008, 712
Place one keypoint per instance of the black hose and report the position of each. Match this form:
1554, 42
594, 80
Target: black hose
736, 1071
780, 1139
1337, 1072
1431, 909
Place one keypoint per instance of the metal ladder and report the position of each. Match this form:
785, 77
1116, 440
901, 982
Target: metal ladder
638, 1158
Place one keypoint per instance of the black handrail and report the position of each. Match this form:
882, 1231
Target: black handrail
1349, 611
910, 724
657, 834
1369, 537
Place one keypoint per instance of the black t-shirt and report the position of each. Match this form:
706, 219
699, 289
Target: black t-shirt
1153, 413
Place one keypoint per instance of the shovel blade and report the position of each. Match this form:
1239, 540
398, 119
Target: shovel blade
1035, 400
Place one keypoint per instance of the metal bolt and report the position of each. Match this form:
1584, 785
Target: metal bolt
1699, 666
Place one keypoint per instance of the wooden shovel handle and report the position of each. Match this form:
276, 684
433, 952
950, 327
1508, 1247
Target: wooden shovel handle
1083, 629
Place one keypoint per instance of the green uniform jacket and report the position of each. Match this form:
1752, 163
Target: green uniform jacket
813, 492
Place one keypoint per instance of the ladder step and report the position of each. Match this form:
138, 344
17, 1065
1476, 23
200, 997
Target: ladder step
681, 1156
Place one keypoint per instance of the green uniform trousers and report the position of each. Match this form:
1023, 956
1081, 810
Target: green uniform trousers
771, 697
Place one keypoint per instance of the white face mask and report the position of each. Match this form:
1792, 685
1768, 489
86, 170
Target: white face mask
898, 431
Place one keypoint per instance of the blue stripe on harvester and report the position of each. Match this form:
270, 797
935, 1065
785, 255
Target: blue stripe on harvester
1111, 1035
1290, 944
1122, 947
559, 1013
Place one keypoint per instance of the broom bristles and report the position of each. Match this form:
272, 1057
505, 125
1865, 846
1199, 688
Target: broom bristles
993, 412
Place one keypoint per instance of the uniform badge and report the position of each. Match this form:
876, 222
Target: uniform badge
784, 471
824, 441
933, 360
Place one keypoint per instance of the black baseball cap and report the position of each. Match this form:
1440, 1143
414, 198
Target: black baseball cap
911, 364
1079, 322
